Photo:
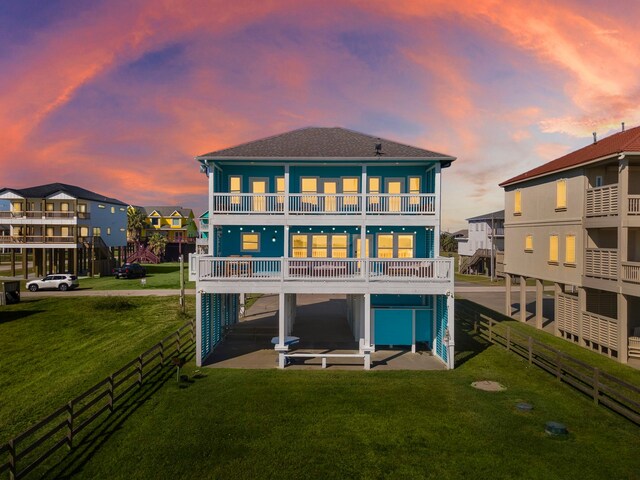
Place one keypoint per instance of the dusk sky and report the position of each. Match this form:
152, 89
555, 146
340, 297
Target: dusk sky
119, 96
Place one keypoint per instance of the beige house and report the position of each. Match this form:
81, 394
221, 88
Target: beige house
575, 222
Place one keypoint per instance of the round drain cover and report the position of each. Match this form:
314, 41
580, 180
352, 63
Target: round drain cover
555, 428
488, 386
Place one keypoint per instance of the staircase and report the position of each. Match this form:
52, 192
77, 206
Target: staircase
143, 255
467, 263
103, 259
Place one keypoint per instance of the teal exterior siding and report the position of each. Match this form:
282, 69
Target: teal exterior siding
218, 312
424, 326
247, 173
393, 326
271, 242
393, 317
442, 323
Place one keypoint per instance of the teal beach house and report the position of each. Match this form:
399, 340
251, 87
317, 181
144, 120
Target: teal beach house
328, 211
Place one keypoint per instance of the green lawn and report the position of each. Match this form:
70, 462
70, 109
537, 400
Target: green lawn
54, 348
337, 424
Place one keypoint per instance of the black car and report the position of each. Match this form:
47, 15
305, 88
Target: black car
130, 270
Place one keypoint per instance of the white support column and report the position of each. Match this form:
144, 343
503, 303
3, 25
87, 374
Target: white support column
557, 290
507, 296
523, 299
367, 320
539, 303
623, 328
198, 328
211, 234
451, 314
438, 207
281, 347
413, 331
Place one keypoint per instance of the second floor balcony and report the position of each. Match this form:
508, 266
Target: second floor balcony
206, 268
324, 204
602, 201
601, 263
23, 240
43, 215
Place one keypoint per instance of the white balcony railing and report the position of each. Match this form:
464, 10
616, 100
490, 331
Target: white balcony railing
601, 263
35, 239
602, 201
40, 214
600, 329
634, 204
205, 267
631, 272
323, 203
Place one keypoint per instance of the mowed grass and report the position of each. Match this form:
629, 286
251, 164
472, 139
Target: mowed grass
55, 348
238, 424
163, 275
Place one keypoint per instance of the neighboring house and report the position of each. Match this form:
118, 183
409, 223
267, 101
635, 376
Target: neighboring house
62, 227
575, 222
202, 242
485, 238
290, 214
171, 222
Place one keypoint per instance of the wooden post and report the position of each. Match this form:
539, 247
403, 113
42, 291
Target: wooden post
13, 262
490, 329
508, 337
507, 296
111, 393
70, 425
162, 353
12, 460
140, 370
596, 385
475, 326
182, 299
558, 366
179, 342
530, 342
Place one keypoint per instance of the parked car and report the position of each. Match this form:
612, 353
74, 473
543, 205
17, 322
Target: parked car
60, 281
130, 270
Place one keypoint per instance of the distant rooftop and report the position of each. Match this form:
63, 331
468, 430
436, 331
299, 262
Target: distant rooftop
321, 142
44, 191
166, 210
627, 141
499, 215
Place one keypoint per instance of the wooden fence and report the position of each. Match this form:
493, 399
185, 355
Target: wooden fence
29, 449
605, 389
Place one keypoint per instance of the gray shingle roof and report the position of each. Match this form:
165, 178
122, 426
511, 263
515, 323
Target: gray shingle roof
43, 191
320, 142
499, 215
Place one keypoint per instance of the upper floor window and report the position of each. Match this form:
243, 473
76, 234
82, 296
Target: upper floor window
101, 206
235, 186
64, 207
561, 195
250, 242
374, 189
350, 186
113, 209
553, 249
414, 189
96, 231
280, 189
599, 181
108, 230
82, 207
395, 245
155, 221
309, 185
570, 250
517, 202
175, 222
528, 243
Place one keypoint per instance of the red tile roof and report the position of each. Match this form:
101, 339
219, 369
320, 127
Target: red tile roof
627, 141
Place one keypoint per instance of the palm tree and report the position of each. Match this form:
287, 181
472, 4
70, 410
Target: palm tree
447, 242
135, 223
158, 244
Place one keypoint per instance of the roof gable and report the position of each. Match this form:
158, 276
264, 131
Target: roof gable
321, 142
627, 141
44, 191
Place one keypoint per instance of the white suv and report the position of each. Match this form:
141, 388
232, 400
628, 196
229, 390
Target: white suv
62, 282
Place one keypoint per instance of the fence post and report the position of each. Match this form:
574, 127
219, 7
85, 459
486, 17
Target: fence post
179, 343
140, 370
530, 342
558, 366
596, 385
162, 353
111, 393
12, 460
475, 326
508, 337
70, 425
490, 330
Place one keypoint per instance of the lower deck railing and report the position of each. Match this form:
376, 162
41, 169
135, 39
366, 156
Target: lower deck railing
205, 268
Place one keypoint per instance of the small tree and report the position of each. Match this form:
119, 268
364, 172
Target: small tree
135, 223
447, 242
158, 244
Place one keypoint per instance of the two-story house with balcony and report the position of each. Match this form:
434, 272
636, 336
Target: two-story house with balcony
328, 211
575, 221
484, 241
60, 227
173, 223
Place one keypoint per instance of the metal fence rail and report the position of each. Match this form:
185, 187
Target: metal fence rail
29, 449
